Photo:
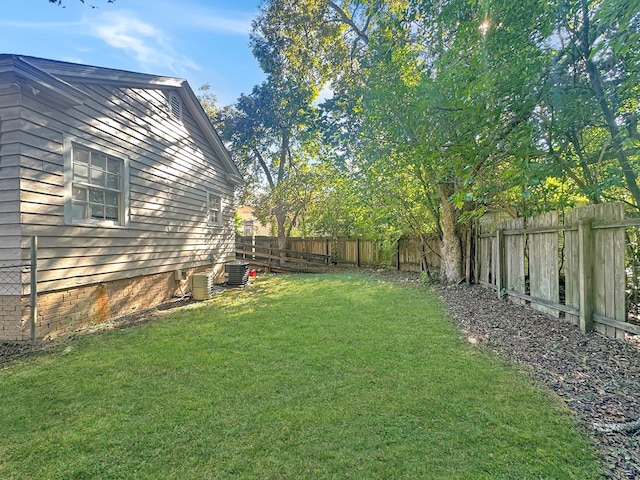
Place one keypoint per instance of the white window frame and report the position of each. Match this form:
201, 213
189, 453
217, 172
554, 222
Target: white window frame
69, 144
215, 217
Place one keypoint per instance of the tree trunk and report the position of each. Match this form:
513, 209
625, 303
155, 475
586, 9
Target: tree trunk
280, 213
282, 234
451, 244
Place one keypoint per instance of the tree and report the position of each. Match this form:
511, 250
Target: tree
433, 96
272, 138
592, 108
416, 79
445, 108
273, 129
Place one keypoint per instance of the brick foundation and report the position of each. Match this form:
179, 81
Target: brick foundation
14, 318
62, 312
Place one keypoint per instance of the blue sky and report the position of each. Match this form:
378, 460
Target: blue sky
204, 41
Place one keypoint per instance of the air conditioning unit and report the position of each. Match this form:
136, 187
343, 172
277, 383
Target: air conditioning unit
201, 286
237, 273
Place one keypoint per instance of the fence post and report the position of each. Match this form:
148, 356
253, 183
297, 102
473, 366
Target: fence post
585, 284
499, 260
253, 247
398, 255
476, 254
358, 252
468, 256
33, 289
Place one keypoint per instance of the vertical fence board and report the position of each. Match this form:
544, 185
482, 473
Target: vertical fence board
572, 266
598, 283
609, 269
432, 251
543, 262
514, 259
599, 275
346, 251
411, 254
620, 279
485, 249
495, 262
609, 272
369, 252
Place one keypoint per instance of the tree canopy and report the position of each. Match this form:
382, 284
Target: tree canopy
440, 110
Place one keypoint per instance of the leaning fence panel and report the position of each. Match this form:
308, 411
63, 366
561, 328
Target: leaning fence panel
582, 264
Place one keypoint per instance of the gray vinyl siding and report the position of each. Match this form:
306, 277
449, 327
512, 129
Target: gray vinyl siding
172, 166
10, 253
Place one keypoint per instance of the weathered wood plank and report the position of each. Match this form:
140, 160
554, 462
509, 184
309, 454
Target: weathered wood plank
514, 259
543, 266
486, 247
609, 270
585, 277
572, 266
618, 240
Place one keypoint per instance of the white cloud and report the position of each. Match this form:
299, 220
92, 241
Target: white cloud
144, 42
220, 24
217, 20
39, 25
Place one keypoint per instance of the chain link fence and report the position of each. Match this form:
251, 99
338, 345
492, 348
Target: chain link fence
14, 277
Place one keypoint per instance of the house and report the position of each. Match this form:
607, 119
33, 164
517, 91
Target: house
123, 182
250, 226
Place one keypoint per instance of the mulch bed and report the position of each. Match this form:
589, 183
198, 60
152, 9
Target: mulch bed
598, 378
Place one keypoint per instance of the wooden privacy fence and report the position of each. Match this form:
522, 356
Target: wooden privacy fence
570, 265
418, 254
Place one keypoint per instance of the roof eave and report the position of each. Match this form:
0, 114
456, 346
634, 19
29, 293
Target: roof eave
41, 81
233, 174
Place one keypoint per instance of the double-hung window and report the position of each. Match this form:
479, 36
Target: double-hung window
96, 183
214, 208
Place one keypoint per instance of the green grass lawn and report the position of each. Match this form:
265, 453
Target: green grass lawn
301, 377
